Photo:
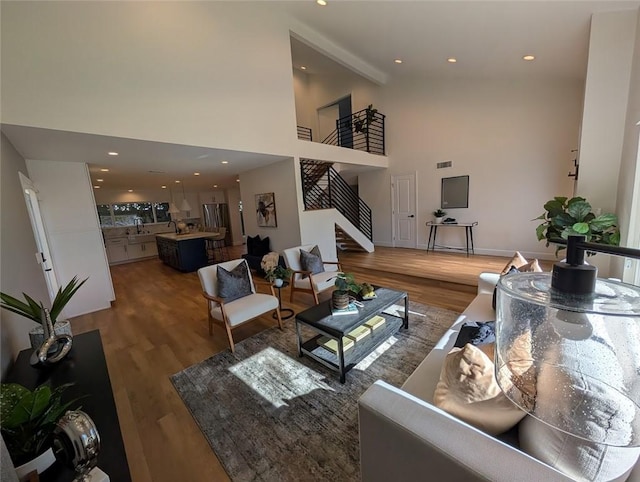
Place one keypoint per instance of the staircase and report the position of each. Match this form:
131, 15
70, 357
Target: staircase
344, 242
324, 188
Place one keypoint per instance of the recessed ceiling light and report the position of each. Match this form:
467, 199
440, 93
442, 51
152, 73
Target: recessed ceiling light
528, 57
321, 2
164, 187
196, 173
177, 182
452, 60
100, 180
237, 180
215, 185
302, 67
96, 187
224, 162
104, 170
112, 153
130, 190
398, 61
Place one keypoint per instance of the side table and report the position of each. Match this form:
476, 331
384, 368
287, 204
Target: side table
283, 311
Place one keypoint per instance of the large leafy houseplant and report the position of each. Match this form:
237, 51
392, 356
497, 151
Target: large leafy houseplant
345, 283
33, 309
29, 418
564, 217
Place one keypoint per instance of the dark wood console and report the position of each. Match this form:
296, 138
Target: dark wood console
86, 367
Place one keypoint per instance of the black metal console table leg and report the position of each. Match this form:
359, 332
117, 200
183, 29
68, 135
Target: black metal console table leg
283, 311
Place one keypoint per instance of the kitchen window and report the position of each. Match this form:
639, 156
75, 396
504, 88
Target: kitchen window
125, 214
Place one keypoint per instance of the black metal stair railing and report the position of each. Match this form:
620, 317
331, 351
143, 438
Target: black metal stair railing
324, 188
363, 131
305, 133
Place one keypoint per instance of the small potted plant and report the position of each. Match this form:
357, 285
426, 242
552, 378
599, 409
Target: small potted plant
274, 273
278, 275
345, 284
34, 310
28, 421
439, 214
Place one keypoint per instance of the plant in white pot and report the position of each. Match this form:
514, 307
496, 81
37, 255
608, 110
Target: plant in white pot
33, 310
439, 214
275, 273
28, 422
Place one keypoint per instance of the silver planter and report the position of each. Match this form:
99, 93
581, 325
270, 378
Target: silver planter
36, 336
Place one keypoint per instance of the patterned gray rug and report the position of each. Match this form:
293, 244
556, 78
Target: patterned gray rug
271, 416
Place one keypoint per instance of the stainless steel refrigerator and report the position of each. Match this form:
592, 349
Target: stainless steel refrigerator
216, 216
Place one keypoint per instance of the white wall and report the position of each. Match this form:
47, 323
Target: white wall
606, 107
628, 205
280, 179
233, 196
75, 240
513, 138
182, 72
19, 272
611, 48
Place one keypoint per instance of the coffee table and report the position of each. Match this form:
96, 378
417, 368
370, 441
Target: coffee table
320, 320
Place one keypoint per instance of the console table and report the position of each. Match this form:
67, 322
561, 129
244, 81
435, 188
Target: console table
433, 232
85, 367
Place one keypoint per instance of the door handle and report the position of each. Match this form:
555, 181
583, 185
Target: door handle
411, 216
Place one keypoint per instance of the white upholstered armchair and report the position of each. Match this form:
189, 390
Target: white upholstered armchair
305, 279
231, 296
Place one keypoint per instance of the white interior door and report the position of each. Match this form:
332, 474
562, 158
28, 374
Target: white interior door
43, 256
404, 210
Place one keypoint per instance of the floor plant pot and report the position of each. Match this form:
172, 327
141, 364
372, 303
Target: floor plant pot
340, 299
41, 463
36, 336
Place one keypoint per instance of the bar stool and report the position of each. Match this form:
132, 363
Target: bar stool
216, 247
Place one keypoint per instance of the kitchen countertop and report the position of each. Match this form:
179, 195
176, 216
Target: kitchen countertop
183, 237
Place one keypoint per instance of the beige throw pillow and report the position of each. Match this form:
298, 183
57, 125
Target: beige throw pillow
468, 389
517, 261
531, 267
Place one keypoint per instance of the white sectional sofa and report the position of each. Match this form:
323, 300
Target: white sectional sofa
403, 437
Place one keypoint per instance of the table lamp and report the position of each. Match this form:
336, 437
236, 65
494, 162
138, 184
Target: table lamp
568, 347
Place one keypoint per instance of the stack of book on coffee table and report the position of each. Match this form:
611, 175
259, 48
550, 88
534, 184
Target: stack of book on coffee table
353, 336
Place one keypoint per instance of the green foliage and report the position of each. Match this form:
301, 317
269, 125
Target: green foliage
278, 272
34, 310
346, 282
439, 213
564, 217
29, 417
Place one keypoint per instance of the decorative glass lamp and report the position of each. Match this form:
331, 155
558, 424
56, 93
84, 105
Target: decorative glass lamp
568, 347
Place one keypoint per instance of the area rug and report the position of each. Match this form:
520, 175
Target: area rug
272, 416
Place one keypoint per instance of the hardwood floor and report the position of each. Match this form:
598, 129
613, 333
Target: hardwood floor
158, 326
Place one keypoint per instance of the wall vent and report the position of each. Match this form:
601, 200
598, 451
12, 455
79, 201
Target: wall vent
444, 164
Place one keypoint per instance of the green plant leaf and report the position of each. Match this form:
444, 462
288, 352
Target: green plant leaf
614, 239
554, 207
563, 220
581, 228
540, 231
63, 297
16, 306
10, 396
579, 210
604, 221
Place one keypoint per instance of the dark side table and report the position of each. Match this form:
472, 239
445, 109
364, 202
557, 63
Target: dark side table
282, 310
85, 367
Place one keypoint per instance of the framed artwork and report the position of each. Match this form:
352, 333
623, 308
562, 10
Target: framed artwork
266, 210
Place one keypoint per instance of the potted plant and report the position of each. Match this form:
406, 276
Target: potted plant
439, 214
34, 310
345, 284
564, 217
278, 275
28, 420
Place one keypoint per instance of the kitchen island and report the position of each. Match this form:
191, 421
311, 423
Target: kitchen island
184, 252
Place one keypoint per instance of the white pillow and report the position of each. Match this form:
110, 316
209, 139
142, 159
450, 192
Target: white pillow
468, 389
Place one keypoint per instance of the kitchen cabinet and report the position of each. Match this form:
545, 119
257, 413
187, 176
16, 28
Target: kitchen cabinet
122, 250
142, 250
117, 250
185, 253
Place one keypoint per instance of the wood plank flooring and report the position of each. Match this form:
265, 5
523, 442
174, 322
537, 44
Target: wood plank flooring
158, 326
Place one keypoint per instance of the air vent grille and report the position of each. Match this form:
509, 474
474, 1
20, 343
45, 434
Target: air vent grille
444, 164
